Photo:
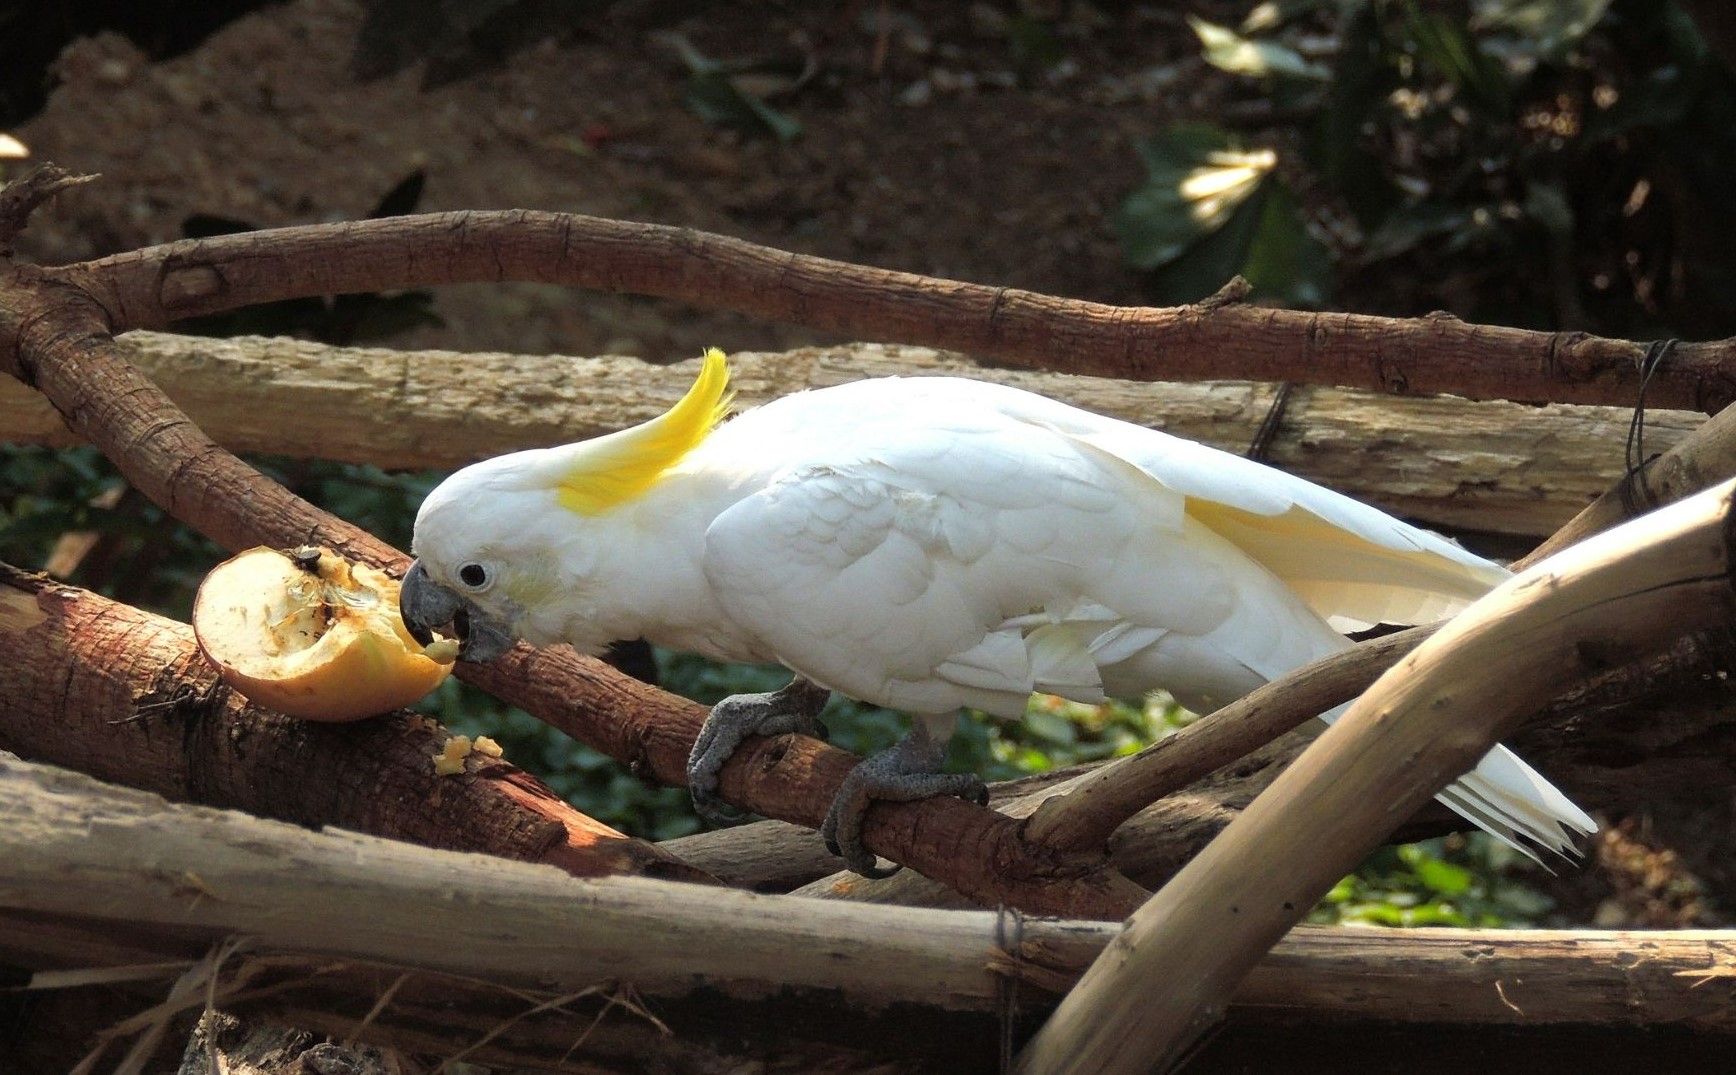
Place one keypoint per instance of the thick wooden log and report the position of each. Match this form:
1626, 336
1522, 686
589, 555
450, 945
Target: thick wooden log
442, 953
1448, 462
1614, 598
126, 695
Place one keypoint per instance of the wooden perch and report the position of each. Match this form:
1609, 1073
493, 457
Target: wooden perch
150, 288
74, 363
127, 696
487, 941
54, 327
1620, 595
791, 778
1533, 467
1696, 462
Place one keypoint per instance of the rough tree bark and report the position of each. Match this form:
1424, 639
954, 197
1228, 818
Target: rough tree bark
491, 942
1447, 462
127, 696
150, 288
1628, 591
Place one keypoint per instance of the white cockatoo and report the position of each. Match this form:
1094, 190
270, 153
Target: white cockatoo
927, 544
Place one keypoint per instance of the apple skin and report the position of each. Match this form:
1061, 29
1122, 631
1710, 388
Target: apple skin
312, 635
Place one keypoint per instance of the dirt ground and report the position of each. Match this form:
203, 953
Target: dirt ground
918, 151
922, 148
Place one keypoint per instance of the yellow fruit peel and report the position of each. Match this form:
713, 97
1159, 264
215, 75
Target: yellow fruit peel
312, 635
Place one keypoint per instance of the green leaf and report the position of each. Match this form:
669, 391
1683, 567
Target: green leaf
718, 100
1546, 28
1362, 78
1450, 49
1050, 727
1229, 51
1443, 877
1210, 210
1197, 178
1286, 261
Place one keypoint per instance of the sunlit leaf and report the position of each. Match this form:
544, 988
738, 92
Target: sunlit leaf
1210, 210
1443, 877
1196, 179
1272, 14
1229, 51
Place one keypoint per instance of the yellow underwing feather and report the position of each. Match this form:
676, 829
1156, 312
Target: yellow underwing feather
612, 470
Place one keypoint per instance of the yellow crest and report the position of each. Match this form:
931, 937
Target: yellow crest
611, 470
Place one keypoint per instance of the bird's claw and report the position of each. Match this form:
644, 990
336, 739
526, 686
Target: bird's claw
794, 708
896, 775
714, 811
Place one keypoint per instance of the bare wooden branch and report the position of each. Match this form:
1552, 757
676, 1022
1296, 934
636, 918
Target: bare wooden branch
1082, 814
1629, 591
1704, 458
68, 355
19, 199
125, 695
152, 287
1444, 461
71, 843
557, 965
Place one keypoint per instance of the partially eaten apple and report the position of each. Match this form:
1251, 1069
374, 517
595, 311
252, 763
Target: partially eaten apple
312, 635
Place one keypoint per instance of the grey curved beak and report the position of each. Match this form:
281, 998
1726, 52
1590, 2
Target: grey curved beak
425, 605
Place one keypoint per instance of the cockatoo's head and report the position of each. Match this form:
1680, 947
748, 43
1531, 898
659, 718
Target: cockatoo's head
495, 543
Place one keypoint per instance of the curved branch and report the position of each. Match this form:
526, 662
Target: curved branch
151, 287
1081, 814
64, 349
1630, 591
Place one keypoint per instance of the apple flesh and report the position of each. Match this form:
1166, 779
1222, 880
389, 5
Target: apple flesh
312, 635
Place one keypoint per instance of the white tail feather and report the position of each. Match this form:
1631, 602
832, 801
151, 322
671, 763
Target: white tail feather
1513, 802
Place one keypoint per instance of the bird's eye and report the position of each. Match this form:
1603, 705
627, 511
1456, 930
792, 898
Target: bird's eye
474, 576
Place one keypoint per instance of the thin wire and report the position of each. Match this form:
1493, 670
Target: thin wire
1636, 499
1269, 425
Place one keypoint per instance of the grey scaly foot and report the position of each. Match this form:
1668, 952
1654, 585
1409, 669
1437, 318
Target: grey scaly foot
794, 708
904, 773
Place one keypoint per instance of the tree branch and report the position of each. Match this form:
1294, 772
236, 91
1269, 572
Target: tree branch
724, 973
63, 348
150, 288
1699, 461
1082, 813
442, 409
1629, 591
125, 695
19, 199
